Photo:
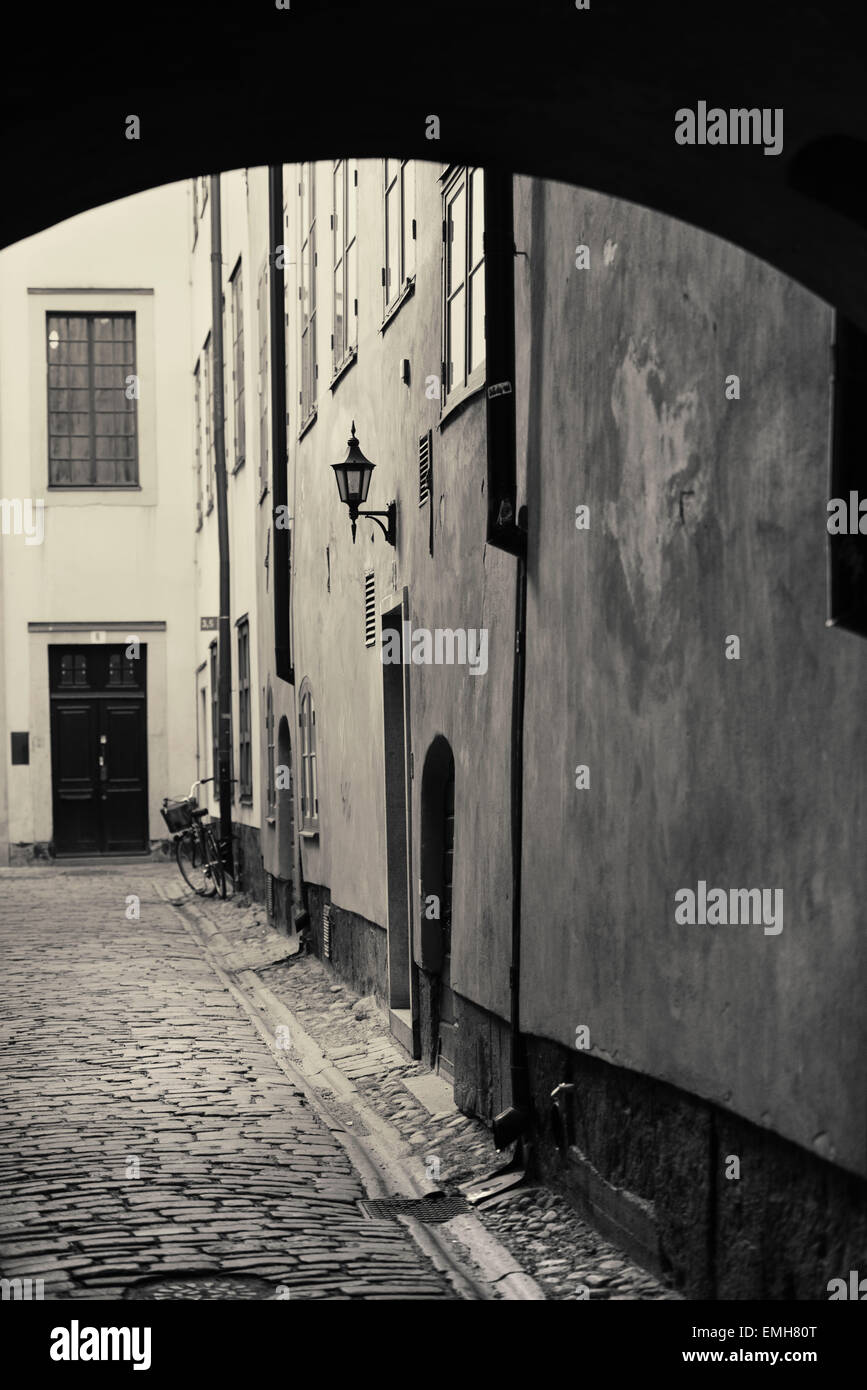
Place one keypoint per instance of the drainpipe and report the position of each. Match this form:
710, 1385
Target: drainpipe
503, 530
279, 459
224, 683
507, 531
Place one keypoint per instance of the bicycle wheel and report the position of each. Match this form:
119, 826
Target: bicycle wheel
214, 867
191, 861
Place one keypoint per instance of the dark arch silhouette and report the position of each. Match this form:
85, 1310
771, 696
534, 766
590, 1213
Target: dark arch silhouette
285, 807
437, 1021
439, 767
585, 96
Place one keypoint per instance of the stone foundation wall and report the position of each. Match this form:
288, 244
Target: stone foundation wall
358, 952
646, 1163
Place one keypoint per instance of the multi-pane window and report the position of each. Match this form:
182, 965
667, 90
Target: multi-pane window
123, 670
307, 292
92, 392
463, 282
238, 364
210, 459
309, 785
263, 306
197, 394
73, 669
215, 720
245, 750
399, 228
344, 223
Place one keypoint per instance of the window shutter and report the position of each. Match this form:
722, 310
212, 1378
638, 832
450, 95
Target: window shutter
326, 930
369, 609
424, 468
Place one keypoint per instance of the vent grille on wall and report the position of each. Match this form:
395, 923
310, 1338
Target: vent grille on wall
326, 930
269, 894
424, 467
369, 609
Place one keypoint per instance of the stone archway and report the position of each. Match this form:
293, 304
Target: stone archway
588, 96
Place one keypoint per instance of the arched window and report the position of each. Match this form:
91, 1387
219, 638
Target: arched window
309, 784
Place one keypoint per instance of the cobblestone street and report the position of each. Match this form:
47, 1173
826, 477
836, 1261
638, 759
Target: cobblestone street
148, 1130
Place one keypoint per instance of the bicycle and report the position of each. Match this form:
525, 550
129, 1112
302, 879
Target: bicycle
197, 850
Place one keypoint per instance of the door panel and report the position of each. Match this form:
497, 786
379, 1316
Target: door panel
123, 786
98, 750
76, 786
448, 1019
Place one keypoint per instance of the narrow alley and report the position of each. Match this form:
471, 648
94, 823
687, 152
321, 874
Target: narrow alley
148, 1131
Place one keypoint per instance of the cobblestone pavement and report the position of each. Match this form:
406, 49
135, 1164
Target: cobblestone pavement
148, 1130
567, 1258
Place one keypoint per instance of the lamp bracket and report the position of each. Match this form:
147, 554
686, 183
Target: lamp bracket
390, 529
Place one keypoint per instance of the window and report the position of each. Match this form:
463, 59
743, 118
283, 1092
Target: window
202, 737
210, 457
215, 721
847, 544
73, 669
245, 753
307, 293
200, 198
463, 284
122, 670
197, 392
269, 731
344, 224
263, 306
92, 391
309, 786
238, 364
399, 268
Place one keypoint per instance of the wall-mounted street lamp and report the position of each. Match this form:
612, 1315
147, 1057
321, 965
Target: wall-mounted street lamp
353, 481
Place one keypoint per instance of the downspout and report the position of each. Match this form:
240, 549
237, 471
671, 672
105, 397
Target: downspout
507, 531
279, 457
224, 682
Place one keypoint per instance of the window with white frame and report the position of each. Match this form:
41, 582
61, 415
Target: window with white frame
309, 784
263, 306
210, 459
197, 396
245, 742
92, 394
344, 225
463, 284
307, 292
399, 268
238, 365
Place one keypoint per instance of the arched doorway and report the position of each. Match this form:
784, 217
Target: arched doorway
285, 805
439, 1021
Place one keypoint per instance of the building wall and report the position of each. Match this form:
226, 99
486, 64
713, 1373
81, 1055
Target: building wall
707, 519
463, 585
108, 556
242, 499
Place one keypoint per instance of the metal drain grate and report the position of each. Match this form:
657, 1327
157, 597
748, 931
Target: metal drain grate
204, 1286
427, 1209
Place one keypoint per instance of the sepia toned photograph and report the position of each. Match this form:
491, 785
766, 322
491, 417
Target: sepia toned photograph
433, 593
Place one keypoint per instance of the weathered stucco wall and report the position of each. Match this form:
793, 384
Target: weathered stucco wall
707, 519
107, 555
462, 585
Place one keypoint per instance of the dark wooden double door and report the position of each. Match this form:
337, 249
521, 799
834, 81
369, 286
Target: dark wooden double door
99, 749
